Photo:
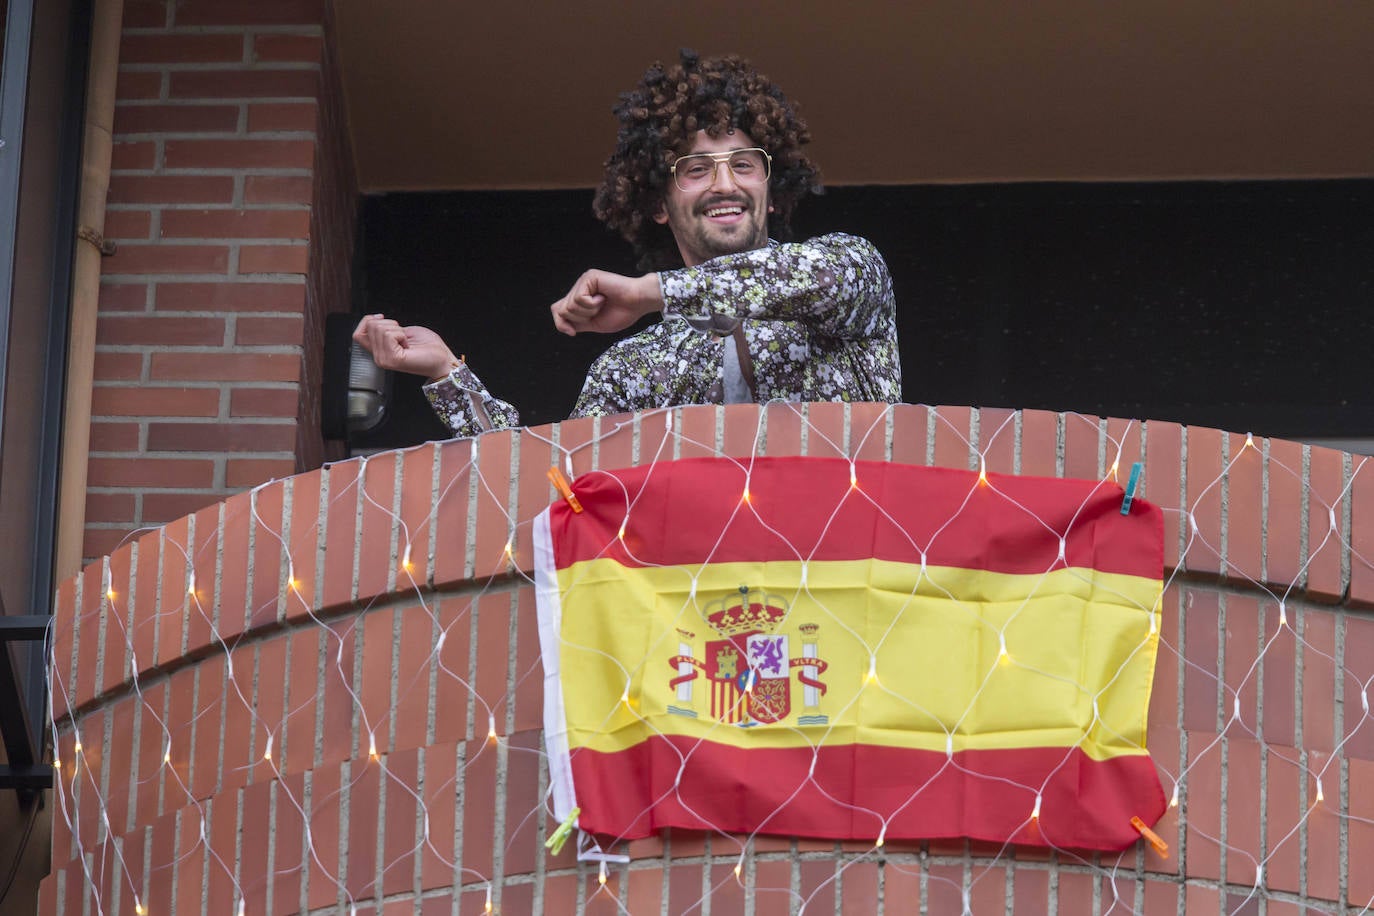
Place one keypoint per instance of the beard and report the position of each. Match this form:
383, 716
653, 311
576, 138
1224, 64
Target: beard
700, 238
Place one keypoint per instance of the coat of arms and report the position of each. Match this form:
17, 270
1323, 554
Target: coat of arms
748, 666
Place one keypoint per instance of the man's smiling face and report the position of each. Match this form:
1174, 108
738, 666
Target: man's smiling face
724, 217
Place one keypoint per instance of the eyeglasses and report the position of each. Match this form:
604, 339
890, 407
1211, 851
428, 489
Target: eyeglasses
697, 171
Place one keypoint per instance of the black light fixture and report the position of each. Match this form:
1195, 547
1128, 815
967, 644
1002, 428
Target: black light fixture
357, 392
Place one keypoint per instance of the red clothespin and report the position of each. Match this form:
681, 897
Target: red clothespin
1151, 837
560, 484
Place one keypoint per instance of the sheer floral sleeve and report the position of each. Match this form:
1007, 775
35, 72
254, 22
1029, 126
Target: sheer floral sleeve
837, 284
465, 406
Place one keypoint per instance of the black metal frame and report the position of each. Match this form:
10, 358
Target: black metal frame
20, 729
23, 665
14, 87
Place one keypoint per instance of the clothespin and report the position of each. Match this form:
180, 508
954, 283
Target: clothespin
560, 483
1151, 837
1130, 487
560, 835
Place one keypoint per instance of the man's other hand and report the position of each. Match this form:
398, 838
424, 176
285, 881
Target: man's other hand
415, 350
606, 302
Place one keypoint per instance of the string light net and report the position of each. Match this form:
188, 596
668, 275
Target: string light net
327, 694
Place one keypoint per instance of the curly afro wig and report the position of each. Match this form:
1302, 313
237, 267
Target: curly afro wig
659, 120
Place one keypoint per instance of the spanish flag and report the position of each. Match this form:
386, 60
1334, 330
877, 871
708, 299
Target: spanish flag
819, 648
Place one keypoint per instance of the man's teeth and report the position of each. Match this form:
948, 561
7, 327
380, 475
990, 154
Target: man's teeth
724, 211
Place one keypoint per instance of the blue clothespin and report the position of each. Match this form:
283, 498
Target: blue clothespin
560, 836
1130, 487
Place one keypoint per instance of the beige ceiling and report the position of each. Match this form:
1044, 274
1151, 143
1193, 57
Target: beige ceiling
462, 94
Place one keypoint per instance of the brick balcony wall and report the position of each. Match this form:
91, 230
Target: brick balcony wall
230, 676
232, 202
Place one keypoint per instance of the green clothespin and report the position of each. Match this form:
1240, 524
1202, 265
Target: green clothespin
560, 836
1130, 487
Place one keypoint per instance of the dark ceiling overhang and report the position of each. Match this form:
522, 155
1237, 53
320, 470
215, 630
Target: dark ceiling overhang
456, 95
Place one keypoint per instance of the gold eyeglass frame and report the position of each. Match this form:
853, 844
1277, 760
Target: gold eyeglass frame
719, 159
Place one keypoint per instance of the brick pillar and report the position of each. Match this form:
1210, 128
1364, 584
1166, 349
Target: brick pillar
232, 200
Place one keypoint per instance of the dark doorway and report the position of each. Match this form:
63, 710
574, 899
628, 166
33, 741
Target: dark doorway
1239, 305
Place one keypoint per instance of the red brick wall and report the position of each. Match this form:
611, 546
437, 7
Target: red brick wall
232, 202
276, 636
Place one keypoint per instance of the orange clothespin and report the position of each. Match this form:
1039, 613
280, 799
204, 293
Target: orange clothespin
1151, 837
560, 483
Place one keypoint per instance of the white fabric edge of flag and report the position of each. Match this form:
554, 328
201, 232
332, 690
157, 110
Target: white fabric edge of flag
550, 611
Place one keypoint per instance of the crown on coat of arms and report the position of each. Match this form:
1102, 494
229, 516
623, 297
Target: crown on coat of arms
750, 610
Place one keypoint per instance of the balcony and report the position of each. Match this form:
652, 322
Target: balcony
327, 691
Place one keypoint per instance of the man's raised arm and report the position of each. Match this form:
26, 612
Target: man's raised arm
837, 284
455, 392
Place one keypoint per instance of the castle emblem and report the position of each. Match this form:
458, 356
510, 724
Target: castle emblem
748, 665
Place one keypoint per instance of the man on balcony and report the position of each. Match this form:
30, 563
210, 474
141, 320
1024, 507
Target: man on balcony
709, 153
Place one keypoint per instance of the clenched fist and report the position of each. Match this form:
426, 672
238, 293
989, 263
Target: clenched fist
413, 349
606, 302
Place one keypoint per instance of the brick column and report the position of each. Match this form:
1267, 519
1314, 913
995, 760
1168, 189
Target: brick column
232, 201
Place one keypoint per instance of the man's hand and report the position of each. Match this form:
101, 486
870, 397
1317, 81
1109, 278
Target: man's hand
416, 350
606, 302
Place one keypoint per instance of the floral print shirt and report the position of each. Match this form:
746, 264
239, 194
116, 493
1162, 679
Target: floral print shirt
818, 316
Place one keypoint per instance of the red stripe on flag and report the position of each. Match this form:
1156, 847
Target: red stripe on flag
692, 512
1086, 803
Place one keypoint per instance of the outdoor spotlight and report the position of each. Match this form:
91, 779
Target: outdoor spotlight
357, 392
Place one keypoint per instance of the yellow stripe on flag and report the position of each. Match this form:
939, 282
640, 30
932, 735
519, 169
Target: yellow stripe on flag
909, 656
